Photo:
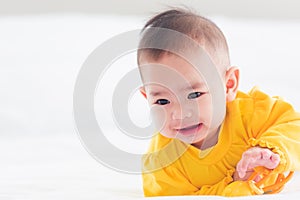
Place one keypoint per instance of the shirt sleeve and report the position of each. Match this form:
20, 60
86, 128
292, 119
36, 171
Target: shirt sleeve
169, 181
276, 125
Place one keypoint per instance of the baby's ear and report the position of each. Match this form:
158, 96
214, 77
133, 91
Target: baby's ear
232, 83
143, 91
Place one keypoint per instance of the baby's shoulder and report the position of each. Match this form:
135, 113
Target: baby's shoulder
255, 94
252, 104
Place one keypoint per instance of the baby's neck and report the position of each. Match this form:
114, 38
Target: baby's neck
208, 142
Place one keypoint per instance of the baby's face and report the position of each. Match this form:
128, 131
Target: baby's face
179, 99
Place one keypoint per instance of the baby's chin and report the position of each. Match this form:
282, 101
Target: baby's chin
195, 139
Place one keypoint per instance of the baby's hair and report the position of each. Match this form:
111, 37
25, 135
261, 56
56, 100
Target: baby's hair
202, 30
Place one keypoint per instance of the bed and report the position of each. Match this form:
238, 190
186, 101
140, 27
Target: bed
42, 155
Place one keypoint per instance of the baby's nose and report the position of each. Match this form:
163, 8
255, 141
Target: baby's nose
180, 114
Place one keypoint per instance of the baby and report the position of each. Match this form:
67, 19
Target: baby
209, 134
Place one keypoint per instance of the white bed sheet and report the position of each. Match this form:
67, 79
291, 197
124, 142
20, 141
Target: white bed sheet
58, 167
41, 155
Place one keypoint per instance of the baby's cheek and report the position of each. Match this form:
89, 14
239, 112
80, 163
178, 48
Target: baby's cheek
159, 118
212, 114
205, 108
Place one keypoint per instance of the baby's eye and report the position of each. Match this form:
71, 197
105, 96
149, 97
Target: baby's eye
194, 95
162, 101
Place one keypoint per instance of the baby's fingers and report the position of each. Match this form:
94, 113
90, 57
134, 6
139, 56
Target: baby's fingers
265, 154
242, 166
273, 162
265, 158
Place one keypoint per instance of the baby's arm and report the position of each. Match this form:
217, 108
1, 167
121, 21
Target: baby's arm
254, 157
170, 181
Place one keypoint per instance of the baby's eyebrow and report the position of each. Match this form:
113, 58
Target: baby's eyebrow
157, 93
194, 86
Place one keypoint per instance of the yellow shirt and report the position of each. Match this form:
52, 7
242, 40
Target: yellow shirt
172, 167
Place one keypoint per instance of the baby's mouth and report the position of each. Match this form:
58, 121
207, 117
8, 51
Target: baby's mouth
190, 129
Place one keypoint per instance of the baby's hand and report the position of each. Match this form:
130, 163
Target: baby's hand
256, 156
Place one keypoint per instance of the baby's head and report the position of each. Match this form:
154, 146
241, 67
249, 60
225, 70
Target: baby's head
175, 88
